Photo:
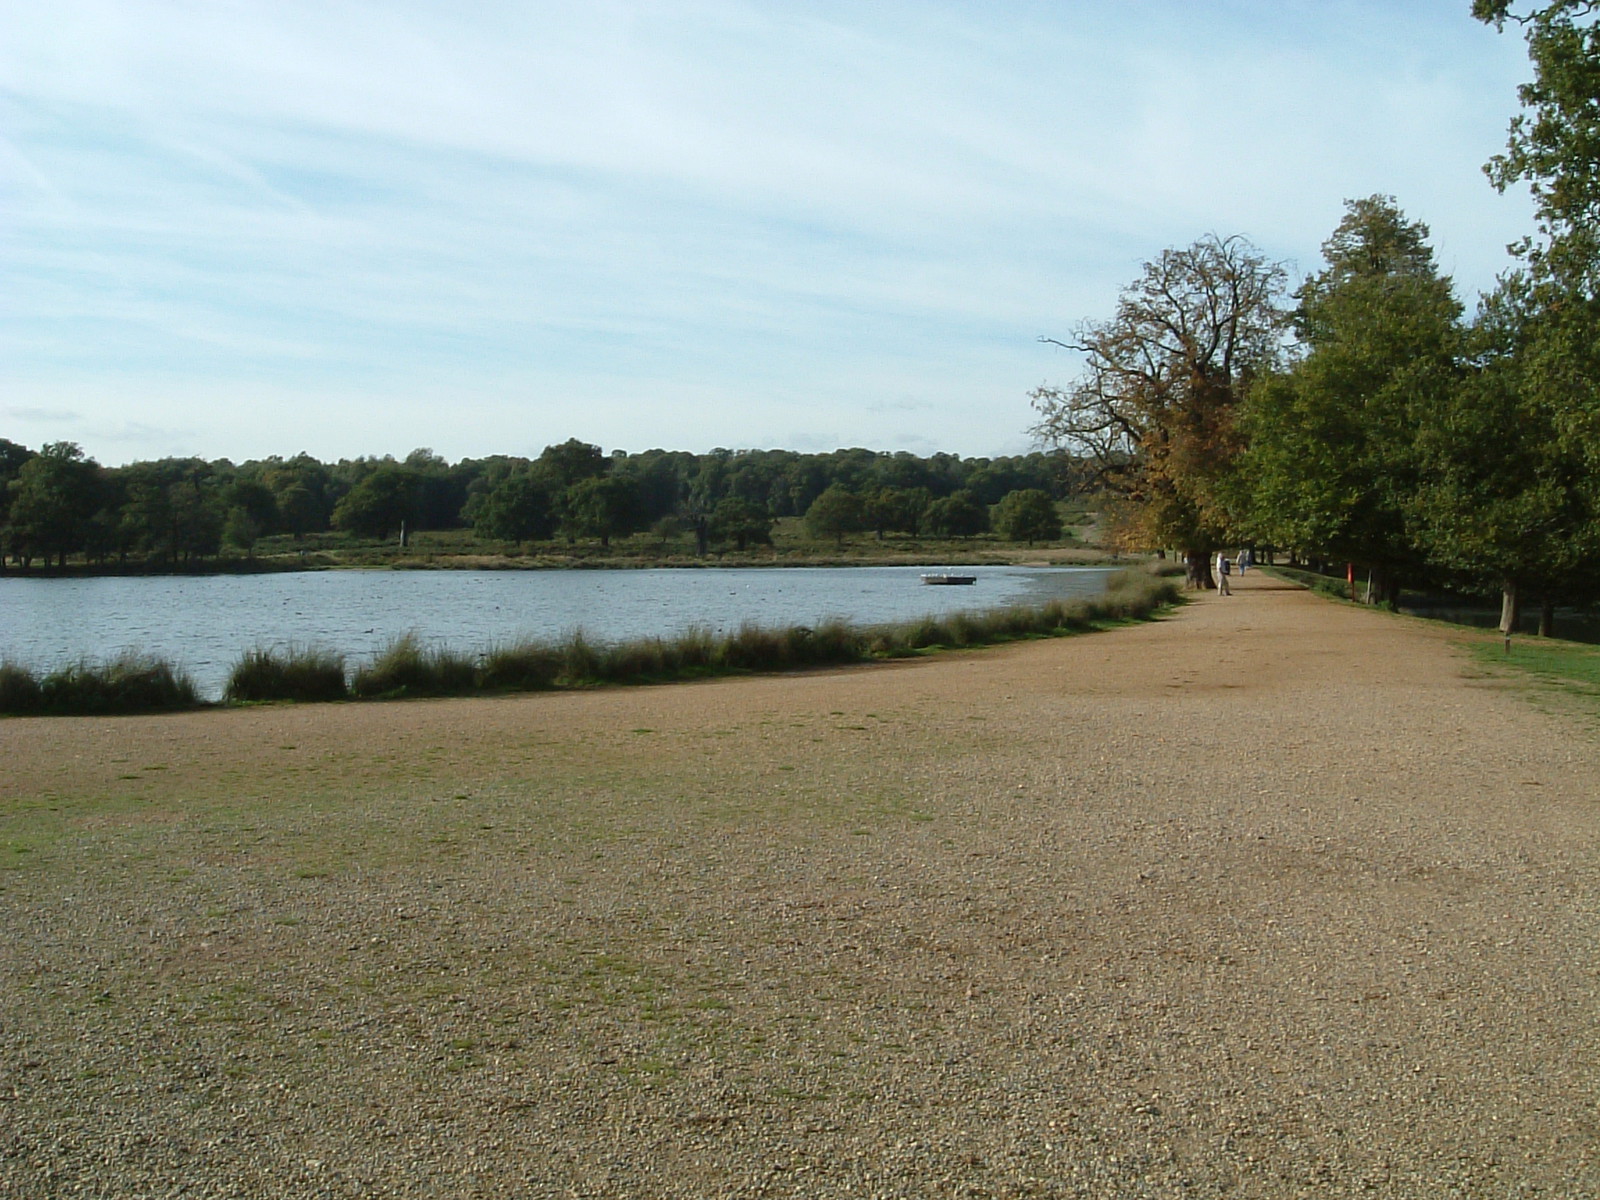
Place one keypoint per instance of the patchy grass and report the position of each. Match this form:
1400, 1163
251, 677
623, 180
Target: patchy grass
1565, 670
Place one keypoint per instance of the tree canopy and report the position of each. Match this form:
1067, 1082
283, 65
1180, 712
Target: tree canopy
1329, 461
1155, 403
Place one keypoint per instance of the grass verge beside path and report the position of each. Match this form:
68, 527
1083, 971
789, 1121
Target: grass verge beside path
1569, 670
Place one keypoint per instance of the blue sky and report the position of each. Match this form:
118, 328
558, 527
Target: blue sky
237, 228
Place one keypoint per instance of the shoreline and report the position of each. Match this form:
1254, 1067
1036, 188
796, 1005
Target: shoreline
134, 682
425, 561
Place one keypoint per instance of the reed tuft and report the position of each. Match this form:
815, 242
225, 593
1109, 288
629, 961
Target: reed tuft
130, 683
406, 668
296, 673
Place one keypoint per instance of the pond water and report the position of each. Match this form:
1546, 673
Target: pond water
204, 623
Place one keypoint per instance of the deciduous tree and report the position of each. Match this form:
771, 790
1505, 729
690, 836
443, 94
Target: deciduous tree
1503, 499
52, 496
1554, 148
519, 508
741, 522
960, 514
1331, 464
381, 504
1161, 381
834, 513
1027, 515
602, 506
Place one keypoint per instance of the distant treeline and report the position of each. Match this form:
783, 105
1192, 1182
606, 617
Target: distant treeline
57, 504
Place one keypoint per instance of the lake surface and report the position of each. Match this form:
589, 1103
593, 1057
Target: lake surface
204, 623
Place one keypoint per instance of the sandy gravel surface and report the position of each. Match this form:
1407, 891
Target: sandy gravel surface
1271, 898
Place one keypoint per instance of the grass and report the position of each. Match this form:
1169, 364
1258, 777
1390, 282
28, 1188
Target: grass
1570, 668
791, 545
19, 689
520, 668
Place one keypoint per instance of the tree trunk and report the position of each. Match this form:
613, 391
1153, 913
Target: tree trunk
1547, 618
1510, 610
1199, 563
1383, 588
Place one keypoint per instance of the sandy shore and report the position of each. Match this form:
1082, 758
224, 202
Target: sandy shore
1273, 897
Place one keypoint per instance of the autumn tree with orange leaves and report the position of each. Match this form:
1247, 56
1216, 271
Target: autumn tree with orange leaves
1161, 382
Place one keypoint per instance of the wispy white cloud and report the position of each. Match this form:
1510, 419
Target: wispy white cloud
357, 228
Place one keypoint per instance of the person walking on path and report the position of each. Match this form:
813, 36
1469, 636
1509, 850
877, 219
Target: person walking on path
1223, 565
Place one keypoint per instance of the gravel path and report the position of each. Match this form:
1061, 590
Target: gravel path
1274, 897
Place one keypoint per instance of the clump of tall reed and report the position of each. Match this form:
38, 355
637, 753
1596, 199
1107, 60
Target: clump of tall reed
406, 667
129, 683
655, 659
19, 689
1136, 594
297, 673
763, 648
524, 667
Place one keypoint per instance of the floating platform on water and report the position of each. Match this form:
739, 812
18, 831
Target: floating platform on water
944, 580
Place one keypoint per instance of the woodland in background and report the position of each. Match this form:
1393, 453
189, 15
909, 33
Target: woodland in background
1364, 419
57, 505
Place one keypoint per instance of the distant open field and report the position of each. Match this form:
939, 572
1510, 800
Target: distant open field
1273, 897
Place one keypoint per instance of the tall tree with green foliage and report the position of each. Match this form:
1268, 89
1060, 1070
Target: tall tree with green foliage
1554, 148
1503, 499
960, 514
895, 509
383, 503
1027, 515
601, 506
572, 462
12, 456
742, 522
1162, 380
52, 496
834, 513
519, 508
1330, 465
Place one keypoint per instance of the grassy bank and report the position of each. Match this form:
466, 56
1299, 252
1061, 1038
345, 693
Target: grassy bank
407, 668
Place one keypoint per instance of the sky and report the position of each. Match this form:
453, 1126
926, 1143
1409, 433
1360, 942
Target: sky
239, 228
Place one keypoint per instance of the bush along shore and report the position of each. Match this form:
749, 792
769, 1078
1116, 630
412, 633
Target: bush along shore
407, 668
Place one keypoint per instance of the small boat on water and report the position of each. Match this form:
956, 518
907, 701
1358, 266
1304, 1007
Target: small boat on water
943, 579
